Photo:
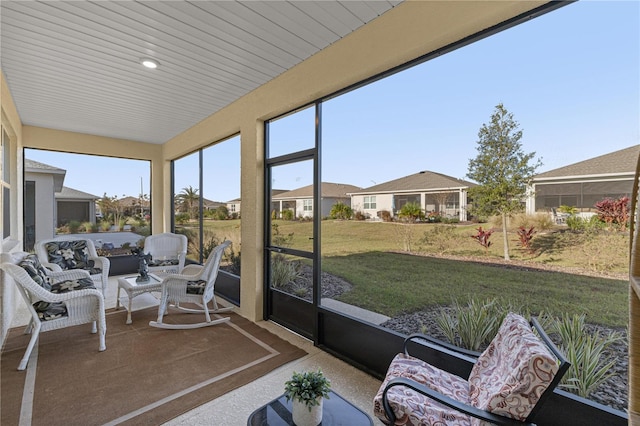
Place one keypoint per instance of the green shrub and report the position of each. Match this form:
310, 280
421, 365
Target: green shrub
283, 271
340, 211
576, 223
441, 238
221, 213
234, 260
570, 210
590, 364
411, 212
74, 226
287, 214
182, 218
473, 326
89, 227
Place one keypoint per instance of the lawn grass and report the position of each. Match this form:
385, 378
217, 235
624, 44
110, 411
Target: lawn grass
394, 283
385, 281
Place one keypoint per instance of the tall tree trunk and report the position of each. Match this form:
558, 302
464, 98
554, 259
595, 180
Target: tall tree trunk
505, 237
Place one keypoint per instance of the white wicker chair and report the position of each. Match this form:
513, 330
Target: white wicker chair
69, 253
50, 310
168, 252
194, 285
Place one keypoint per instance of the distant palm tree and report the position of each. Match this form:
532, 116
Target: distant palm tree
188, 199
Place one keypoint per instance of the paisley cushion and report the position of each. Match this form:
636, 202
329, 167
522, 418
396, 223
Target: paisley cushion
513, 372
412, 408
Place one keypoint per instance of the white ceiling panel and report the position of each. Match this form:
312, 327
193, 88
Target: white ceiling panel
75, 65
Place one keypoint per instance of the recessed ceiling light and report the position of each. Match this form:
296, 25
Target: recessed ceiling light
149, 63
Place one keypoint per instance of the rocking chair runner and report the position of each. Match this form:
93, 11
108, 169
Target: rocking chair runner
194, 285
508, 383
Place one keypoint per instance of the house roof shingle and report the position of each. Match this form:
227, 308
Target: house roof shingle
329, 190
421, 181
74, 194
623, 161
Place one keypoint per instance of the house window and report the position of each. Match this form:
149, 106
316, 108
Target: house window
5, 183
232, 208
307, 205
370, 202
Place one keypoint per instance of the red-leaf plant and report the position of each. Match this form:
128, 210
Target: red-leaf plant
525, 237
482, 237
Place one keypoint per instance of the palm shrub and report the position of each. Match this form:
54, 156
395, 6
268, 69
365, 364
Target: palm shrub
340, 211
411, 212
472, 326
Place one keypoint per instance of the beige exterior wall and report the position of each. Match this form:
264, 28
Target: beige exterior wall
46, 204
409, 30
9, 297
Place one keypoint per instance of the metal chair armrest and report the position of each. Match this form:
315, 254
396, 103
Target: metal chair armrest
445, 400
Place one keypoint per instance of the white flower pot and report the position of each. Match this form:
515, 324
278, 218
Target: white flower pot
303, 417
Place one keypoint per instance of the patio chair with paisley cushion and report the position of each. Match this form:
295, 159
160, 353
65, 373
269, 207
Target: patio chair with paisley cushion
69, 253
194, 285
168, 252
55, 299
508, 383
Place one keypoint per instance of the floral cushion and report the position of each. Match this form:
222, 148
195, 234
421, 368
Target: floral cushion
513, 372
72, 254
47, 310
164, 262
196, 287
412, 408
31, 264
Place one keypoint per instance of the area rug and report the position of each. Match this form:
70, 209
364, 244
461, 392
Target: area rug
146, 376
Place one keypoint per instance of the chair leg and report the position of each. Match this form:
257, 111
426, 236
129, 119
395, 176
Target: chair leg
32, 342
102, 331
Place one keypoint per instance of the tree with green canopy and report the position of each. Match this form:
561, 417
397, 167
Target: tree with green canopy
502, 170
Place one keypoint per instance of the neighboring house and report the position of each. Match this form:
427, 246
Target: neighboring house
434, 192
49, 204
234, 207
300, 200
585, 183
133, 206
211, 205
72, 204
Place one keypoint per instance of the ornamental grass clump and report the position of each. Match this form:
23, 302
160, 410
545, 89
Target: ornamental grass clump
308, 388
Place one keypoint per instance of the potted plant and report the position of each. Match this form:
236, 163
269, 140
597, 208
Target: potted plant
307, 390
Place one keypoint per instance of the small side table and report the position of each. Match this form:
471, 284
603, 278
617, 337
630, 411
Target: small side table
336, 411
133, 289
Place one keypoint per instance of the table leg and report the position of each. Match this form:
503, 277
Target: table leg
129, 310
118, 299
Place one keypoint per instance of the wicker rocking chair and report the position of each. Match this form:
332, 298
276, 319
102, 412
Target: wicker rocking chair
194, 285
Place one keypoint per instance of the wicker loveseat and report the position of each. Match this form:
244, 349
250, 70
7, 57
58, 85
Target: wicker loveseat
508, 382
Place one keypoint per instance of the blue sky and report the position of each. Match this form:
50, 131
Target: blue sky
571, 78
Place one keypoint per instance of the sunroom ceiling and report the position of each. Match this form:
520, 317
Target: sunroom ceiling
75, 65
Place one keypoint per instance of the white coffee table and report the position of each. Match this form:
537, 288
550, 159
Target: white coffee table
134, 288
